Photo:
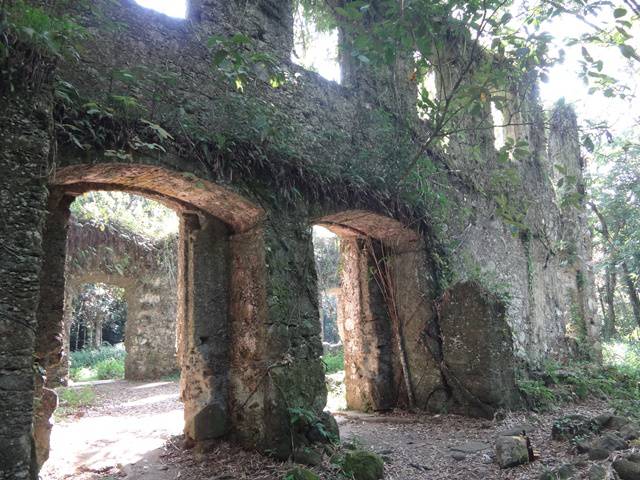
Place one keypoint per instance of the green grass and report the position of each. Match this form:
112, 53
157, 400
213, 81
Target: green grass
72, 399
104, 363
334, 362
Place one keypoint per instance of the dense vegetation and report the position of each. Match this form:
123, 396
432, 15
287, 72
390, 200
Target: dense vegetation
102, 363
615, 206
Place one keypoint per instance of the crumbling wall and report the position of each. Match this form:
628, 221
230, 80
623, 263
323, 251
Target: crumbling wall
144, 269
25, 156
256, 169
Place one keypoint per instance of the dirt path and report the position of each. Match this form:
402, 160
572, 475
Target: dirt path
434, 447
132, 432
128, 424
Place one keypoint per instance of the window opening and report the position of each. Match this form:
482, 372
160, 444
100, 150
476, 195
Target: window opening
171, 8
314, 48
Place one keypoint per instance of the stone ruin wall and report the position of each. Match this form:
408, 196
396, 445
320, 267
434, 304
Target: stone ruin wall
248, 343
144, 269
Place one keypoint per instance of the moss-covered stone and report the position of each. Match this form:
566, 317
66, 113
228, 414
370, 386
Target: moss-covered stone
301, 474
363, 465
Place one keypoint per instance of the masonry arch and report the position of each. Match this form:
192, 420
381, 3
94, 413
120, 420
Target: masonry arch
218, 232
145, 270
383, 311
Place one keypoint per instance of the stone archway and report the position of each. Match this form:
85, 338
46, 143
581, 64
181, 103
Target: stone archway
383, 312
216, 227
106, 254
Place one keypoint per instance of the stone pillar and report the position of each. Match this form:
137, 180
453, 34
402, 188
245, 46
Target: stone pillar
414, 287
276, 347
49, 349
203, 285
292, 345
150, 331
366, 333
477, 348
58, 375
564, 150
24, 158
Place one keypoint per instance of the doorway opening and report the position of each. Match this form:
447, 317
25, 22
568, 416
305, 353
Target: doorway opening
326, 247
217, 246
120, 394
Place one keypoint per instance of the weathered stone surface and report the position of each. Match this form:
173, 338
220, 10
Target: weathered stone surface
43, 424
564, 472
597, 472
476, 343
363, 465
609, 442
630, 431
307, 456
250, 334
599, 453
302, 474
511, 451
626, 469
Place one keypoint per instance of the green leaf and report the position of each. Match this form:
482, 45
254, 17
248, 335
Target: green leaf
588, 144
628, 51
619, 13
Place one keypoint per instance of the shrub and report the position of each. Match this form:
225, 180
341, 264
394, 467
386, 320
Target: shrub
102, 363
110, 368
538, 395
334, 362
617, 381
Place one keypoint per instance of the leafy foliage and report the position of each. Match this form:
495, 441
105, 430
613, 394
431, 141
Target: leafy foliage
97, 306
333, 362
133, 212
48, 37
102, 363
615, 205
618, 381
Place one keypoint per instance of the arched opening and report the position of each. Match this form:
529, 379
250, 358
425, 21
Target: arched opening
215, 237
314, 48
119, 360
95, 321
382, 313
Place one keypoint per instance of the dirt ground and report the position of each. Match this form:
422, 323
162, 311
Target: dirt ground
133, 431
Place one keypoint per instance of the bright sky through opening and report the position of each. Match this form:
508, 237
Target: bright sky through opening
564, 82
173, 8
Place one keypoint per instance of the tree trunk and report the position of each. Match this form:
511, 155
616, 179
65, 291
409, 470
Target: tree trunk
609, 327
632, 292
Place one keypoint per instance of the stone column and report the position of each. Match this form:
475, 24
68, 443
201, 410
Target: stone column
24, 162
58, 375
204, 327
150, 338
49, 348
564, 149
291, 365
366, 332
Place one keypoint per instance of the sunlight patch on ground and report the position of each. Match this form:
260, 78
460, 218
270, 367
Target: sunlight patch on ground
96, 443
150, 385
151, 400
